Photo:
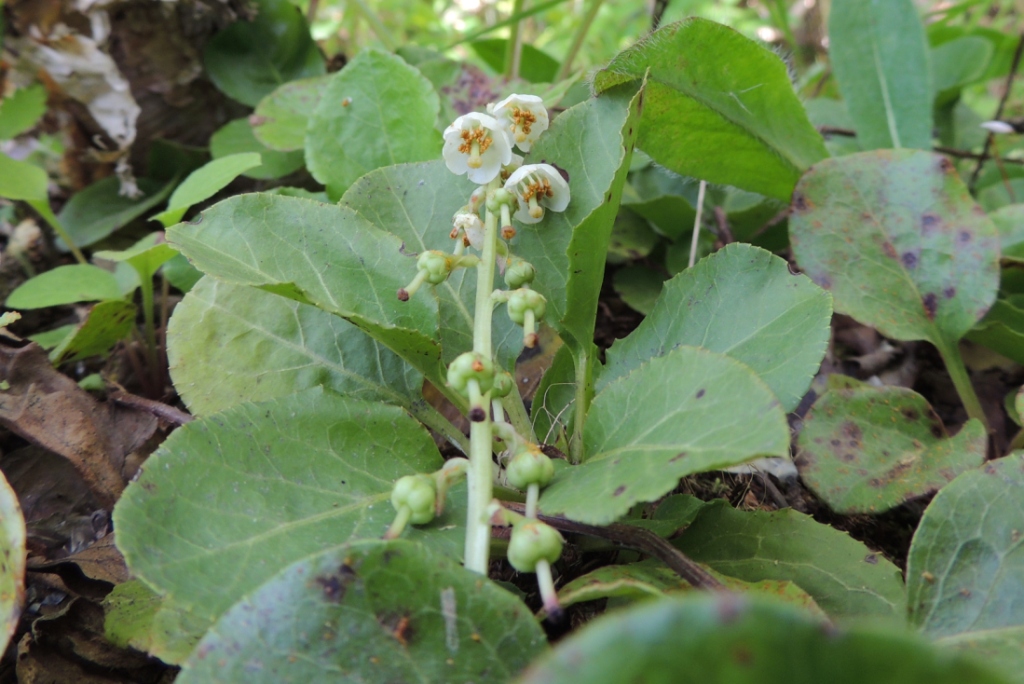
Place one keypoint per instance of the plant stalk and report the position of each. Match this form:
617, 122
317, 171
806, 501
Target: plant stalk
44, 210
577, 40
581, 404
514, 47
950, 354
481, 433
149, 318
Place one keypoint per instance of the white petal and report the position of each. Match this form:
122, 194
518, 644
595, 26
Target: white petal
998, 127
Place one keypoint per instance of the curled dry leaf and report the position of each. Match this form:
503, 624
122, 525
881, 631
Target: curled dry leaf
51, 410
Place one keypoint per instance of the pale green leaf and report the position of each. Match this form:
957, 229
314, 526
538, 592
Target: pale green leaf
281, 117
146, 256
375, 112
22, 181
98, 210
12, 561
846, 578
710, 90
373, 612
204, 183
686, 412
106, 324
742, 301
879, 54
21, 110
65, 285
236, 137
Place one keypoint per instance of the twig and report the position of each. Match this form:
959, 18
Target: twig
637, 539
724, 234
999, 113
696, 222
156, 408
951, 151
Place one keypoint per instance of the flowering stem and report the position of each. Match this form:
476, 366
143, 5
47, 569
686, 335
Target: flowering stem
481, 433
581, 404
532, 496
513, 48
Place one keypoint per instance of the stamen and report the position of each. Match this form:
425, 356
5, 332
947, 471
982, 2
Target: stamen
477, 138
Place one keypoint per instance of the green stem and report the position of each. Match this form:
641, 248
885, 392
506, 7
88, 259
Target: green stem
376, 24
509, 21
950, 354
532, 497
581, 404
43, 208
481, 433
516, 409
513, 49
577, 40
399, 523
146, 285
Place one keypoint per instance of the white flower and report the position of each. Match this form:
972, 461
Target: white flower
478, 146
469, 224
537, 186
998, 127
525, 118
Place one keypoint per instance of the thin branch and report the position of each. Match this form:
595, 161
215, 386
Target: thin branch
951, 151
162, 411
696, 222
637, 539
999, 113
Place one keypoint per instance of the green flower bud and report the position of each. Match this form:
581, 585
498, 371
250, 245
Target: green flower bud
530, 466
522, 300
503, 384
533, 541
519, 272
471, 366
418, 493
436, 265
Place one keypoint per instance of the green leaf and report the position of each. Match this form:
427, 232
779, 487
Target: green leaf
869, 449
960, 62
371, 612
137, 617
237, 136
375, 112
880, 57
317, 253
97, 211
1002, 329
1000, 649
12, 561
281, 117
20, 111
65, 285
249, 59
107, 324
51, 338
591, 142
180, 273
965, 571
730, 640
742, 301
711, 89
416, 202
651, 578
1009, 221
639, 286
22, 181
260, 346
535, 66
663, 198
204, 183
146, 256
845, 577
686, 412
897, 239
229, 500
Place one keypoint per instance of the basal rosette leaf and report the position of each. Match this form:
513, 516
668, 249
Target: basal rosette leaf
230, 499
686, 412
718, 106
742, 301
374, 612
868, 449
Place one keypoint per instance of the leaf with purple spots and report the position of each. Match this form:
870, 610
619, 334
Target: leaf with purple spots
868, 449
902, 246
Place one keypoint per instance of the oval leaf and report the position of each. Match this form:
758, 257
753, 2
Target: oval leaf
219, 330
107, 324
97, 211
249, 59
731, 640
880, 56
897, 239
237, 136
375, 112
12, 561
741, 301
228, 501
845, 577
965, 571
686, 412
281, 117
867, 450
65, 285
204, 183
373, 612
710, 88
22, 181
